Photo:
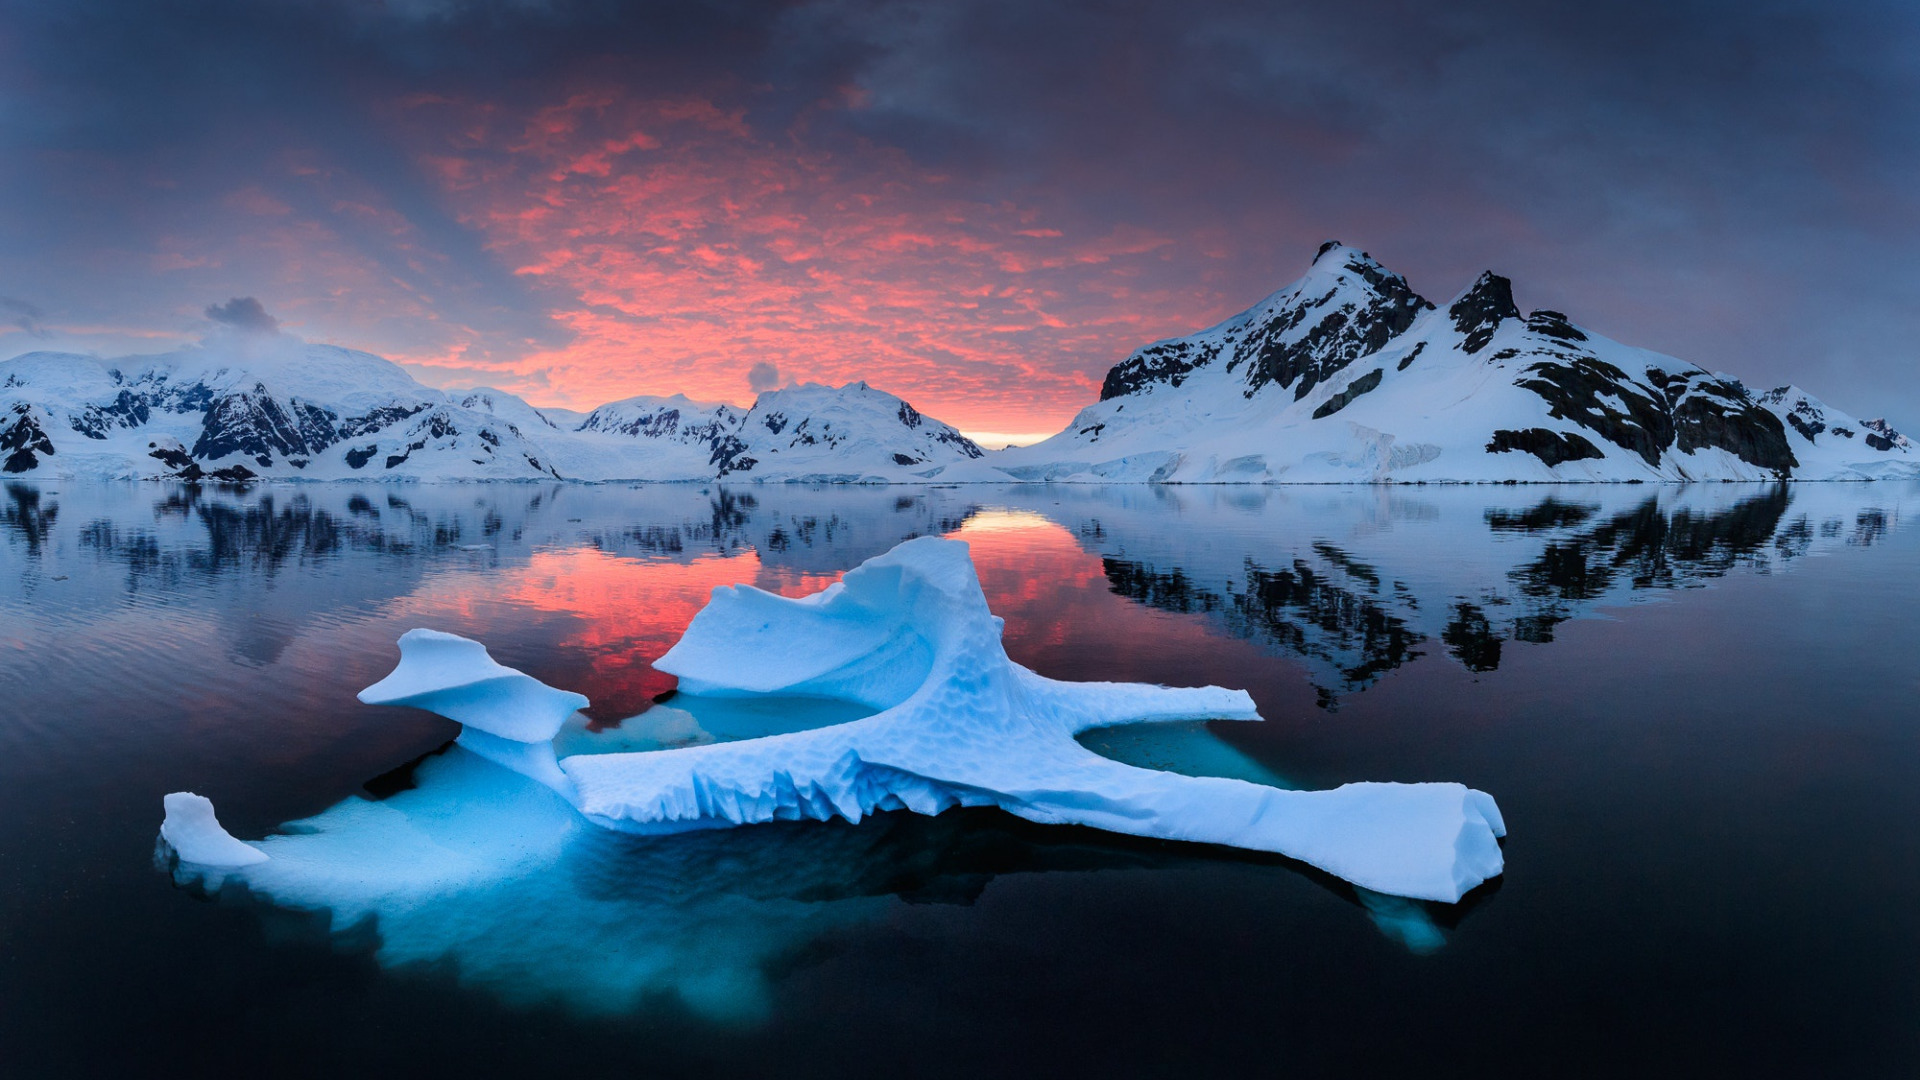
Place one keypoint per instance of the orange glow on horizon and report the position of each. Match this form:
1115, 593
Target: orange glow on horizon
678, 248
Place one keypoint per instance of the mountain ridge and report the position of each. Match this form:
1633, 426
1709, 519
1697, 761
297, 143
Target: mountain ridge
1344, 375
1348, 375
281, 409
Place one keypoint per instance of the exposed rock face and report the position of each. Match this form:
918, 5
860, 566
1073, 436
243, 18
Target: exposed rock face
1347, 308
1369, 381
1687, 411
675, 418
1349, 375
1166, 363
253, 424
1737, 426
1882, 437
22, 439
1599, 397
1552, 324
1345, 327
730, 456
1551, 447
127, 410
1480, 311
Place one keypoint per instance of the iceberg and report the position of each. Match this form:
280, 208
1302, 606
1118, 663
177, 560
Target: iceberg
959, 723
193, 832
955, 723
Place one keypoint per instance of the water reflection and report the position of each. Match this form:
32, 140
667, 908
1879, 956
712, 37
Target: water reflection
1350, 583
26, 521
1357, 584
248, 602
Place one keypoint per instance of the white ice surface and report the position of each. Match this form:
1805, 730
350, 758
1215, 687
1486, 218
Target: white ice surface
196, 836
957, 723
960, 724
454, 676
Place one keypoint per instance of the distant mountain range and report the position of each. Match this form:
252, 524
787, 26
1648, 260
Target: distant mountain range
1346, 375
293, 411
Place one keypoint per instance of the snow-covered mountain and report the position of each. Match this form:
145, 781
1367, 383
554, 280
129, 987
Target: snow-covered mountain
1349, 375
1345, 375
819, 433
639, 438
269, 406
275, 408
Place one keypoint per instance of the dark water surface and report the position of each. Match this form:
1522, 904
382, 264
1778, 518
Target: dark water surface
1695, 705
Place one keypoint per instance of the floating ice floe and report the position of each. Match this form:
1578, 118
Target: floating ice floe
957, 723
196, 835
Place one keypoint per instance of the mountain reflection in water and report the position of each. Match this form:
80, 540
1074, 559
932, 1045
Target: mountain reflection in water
1353, 617
1351, 583
1719, 789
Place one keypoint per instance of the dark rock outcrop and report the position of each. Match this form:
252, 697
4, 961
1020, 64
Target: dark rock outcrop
21, 439
1168, 362
1554, 325
1361, 385
1362, 308
252, 424
1551, 447
1599, 397
1356, 329
1745, 430
1481, 311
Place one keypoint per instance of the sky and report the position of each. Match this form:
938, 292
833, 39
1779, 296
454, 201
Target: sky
980, 205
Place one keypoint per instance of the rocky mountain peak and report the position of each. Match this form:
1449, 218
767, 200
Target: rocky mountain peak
1337, 260
1346, 307
1481, 309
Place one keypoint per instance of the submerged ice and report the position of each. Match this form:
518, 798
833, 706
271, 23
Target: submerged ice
955, 723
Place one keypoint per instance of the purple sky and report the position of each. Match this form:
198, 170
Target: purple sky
980, 206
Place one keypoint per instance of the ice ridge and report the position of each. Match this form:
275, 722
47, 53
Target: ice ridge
957, 723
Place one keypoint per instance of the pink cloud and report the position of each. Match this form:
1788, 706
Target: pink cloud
680, 247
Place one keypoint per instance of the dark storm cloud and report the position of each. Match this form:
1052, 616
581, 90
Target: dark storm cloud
1730, 182
243, 313
763, 377
22, 314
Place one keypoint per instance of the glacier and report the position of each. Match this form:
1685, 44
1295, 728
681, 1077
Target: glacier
956, 724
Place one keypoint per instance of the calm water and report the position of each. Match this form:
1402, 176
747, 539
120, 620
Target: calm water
1696, 707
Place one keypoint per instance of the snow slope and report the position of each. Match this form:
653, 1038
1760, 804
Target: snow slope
269, 406
854, 433
275, 408
958, 723
1348, 375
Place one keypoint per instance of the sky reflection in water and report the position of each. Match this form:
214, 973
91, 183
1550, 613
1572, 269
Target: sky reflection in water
163, 638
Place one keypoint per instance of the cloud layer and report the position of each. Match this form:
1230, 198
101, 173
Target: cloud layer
980, 204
